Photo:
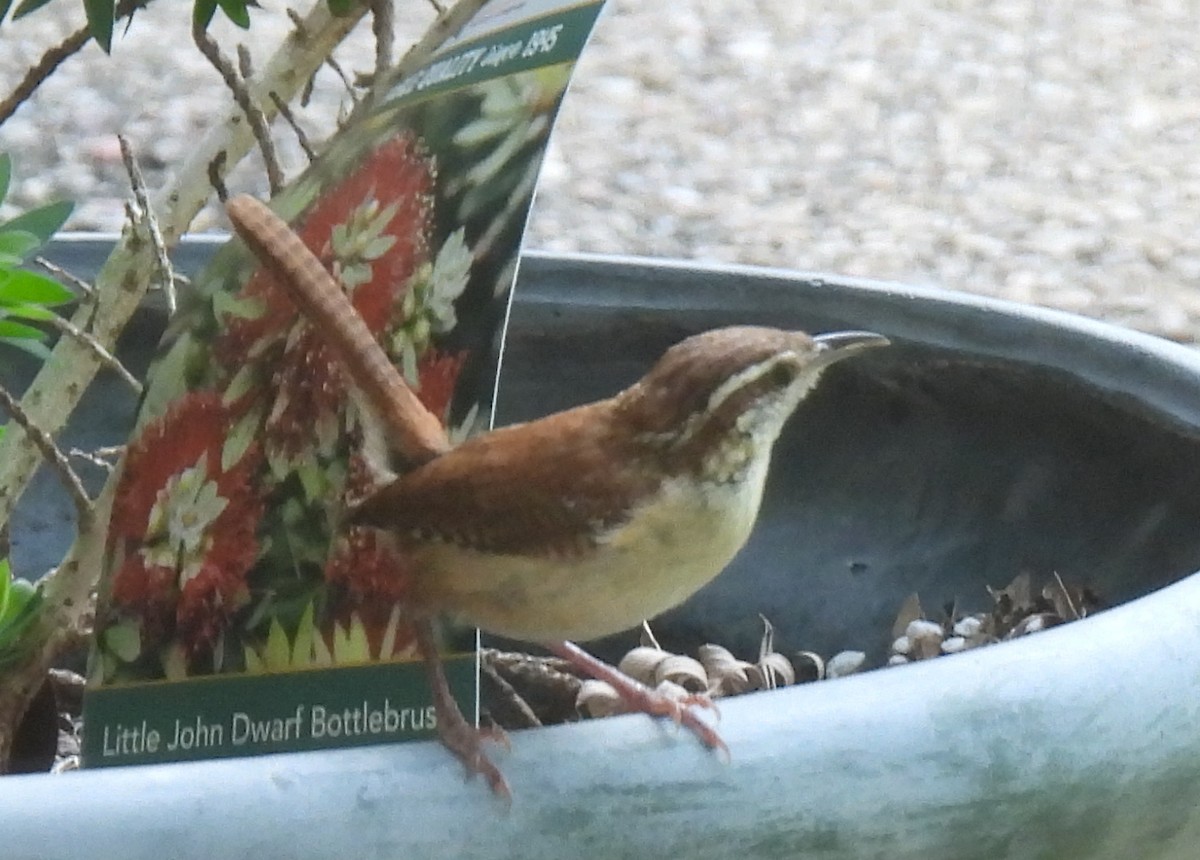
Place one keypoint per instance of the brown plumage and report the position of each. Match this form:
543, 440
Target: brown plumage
579, 524
585, 522
507, 492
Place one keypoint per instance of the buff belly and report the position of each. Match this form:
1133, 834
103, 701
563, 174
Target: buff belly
674, 545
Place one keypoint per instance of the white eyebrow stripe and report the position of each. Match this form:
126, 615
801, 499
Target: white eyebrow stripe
743, 378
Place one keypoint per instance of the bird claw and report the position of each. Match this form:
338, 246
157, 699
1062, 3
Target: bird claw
638, 697
466, 743
462, 738
679, 710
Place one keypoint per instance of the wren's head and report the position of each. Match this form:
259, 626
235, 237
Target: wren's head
717, 401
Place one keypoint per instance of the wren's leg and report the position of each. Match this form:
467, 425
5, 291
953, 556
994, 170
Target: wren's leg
639, 697
458, 735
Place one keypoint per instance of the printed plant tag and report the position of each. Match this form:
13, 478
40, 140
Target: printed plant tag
235, 616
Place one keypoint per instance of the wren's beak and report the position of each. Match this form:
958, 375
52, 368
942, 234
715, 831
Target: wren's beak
839, 344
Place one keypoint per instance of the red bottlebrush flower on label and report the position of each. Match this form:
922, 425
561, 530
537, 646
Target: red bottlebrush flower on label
371, 231
376, 578
183, 526
437, 374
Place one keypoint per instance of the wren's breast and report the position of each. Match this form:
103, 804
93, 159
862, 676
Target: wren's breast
675, 544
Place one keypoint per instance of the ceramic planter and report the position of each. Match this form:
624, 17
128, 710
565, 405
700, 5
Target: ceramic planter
991, 439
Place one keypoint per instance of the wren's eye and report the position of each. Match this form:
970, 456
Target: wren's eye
781, 375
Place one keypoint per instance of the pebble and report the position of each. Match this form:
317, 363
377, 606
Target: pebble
1013, 148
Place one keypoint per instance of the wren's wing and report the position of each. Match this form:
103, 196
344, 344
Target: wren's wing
546, 487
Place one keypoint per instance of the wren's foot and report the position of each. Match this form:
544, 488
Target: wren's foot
466, 742
456, 734
639, 697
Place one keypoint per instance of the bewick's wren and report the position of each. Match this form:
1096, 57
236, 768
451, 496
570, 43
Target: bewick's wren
583, 523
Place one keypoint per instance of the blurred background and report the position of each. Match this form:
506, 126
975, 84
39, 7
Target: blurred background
1041, 152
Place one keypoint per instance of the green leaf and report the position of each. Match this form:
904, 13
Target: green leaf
27, 6
100, 16
17, 622
388, 646
44, 221
27, 312
226, 305
302, 648
10, 331
124, 640
278, 653
174, 662
5, 586
16, 245
5, 174
19, 617
19, 593
34, 347
30, 288
341, 7
22, 590
202, 14
236, 11
254, 663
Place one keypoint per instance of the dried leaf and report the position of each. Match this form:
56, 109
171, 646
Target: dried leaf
727, 675
685, 671
641, 662
648, 637
1059, 595
767, 645
910, 611
773, 670
809, 666
598, 699
1017, 595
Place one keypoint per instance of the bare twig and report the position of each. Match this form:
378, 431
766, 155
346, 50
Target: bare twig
341, 73
245, 63
298, 23
301, 33
105, 457
53, 457
37, 74
449, 22
438, 7
54, 57
145, 216
290, 118
106, 358
548, 686
241, 94
510, 702
216, 175
73, 279
306, 93
383, 25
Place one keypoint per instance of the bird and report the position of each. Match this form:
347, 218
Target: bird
579, 524
585, 522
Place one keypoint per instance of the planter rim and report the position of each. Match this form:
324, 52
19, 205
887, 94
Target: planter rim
835, 769
786, 748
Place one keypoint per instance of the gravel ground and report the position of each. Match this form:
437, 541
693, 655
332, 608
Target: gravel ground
1041, 152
